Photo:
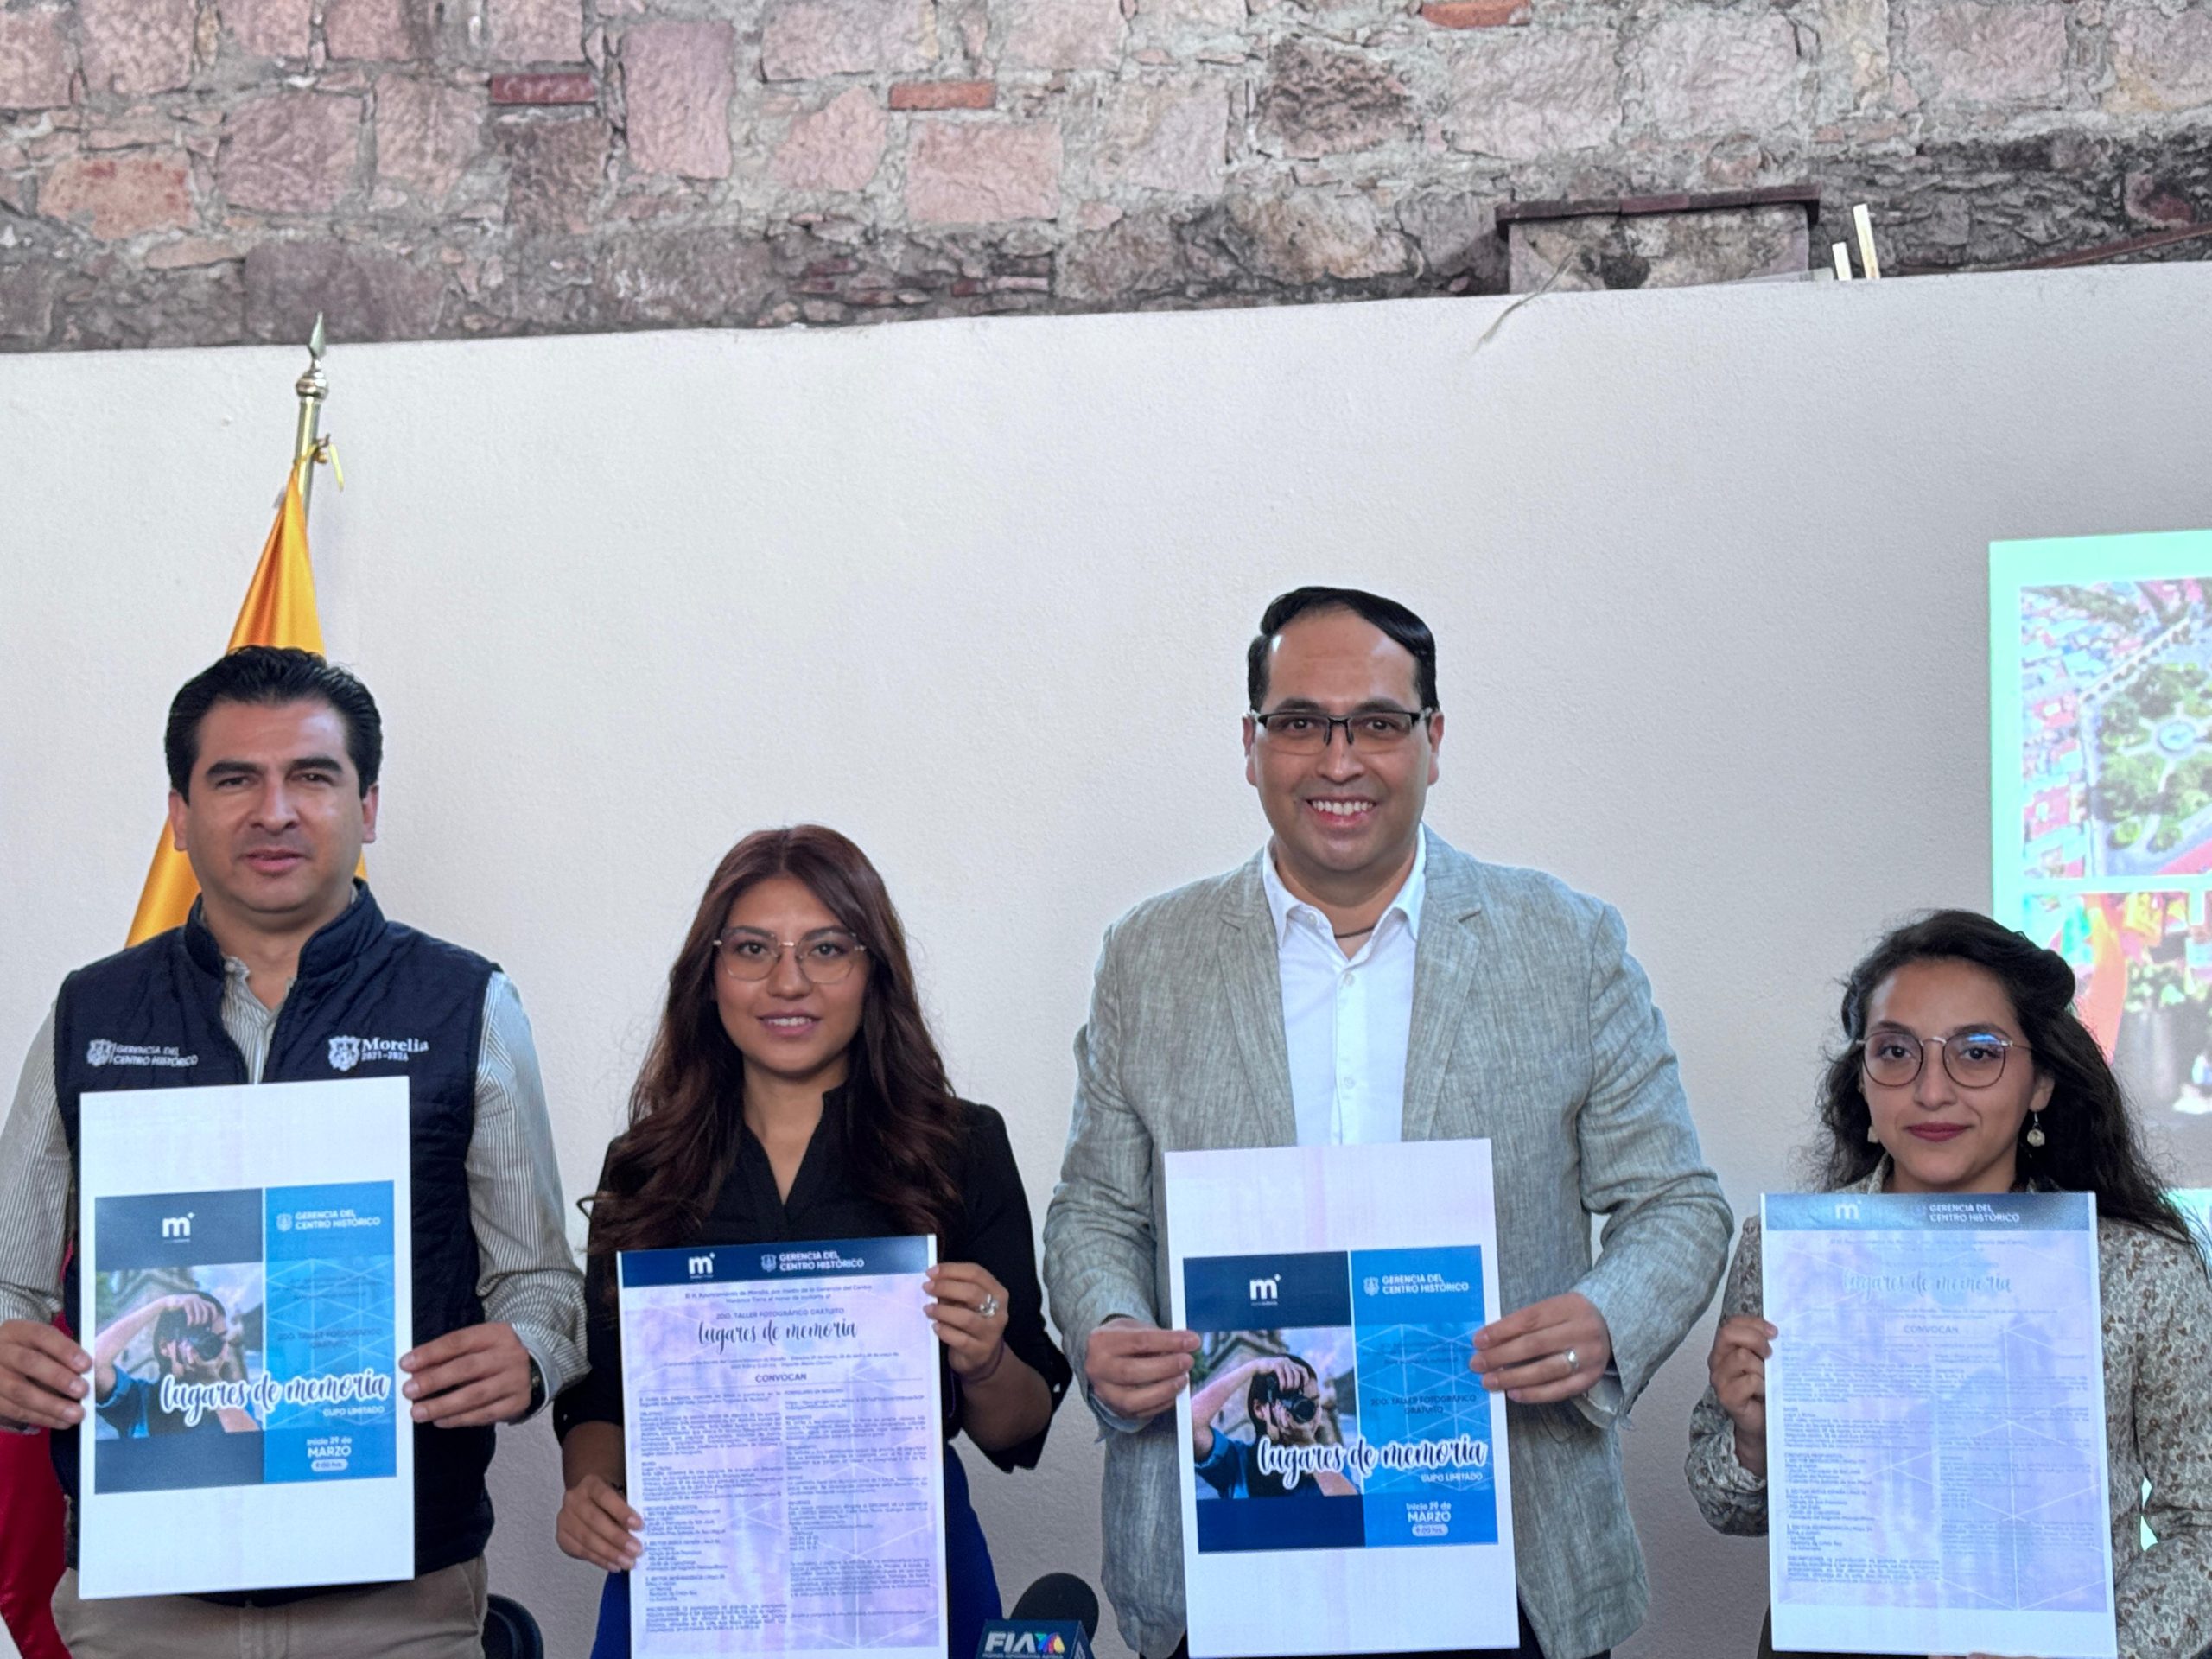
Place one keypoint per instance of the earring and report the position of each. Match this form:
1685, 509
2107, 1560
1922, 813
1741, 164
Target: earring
1872, 1139
2035, 1135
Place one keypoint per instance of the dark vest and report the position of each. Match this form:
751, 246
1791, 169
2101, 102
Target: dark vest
151, 1018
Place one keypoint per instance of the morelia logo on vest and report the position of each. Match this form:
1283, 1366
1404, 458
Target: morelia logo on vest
101, 1051
347, 1052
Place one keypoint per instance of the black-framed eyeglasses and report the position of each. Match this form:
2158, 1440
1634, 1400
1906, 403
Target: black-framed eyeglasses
1974, 1059
825, 956
1308, 731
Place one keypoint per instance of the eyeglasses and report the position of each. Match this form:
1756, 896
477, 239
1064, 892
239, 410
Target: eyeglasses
824, 957
1302, 731
1974, 1058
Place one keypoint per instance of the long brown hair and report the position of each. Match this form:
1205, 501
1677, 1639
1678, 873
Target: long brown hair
687, 1108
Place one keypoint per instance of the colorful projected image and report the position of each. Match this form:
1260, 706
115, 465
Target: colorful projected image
2143, 963
2197, 1205
2116, 736
2100, 774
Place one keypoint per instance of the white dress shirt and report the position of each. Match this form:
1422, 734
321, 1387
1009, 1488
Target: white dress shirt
1346, 1018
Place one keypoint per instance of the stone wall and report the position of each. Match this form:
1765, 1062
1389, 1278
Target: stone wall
206, 171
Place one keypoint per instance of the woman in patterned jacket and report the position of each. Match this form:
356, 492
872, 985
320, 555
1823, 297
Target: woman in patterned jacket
1965, 1070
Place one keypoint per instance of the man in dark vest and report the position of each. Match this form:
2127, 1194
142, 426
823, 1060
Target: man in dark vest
287, 971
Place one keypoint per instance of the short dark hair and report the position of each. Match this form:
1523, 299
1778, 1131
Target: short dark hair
2090, 1143
1393, 619
271, 675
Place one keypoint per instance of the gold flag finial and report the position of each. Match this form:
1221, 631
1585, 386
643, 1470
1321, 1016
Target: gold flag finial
311, 388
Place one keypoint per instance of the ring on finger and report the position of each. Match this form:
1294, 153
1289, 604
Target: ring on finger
989, 1307
1573, 1362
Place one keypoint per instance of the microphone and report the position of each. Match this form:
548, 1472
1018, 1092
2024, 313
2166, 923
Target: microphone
1062, 1598
1055, 1618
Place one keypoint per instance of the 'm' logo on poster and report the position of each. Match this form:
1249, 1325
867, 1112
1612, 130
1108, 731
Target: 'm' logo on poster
702, 1267
176, 1226
1269, 1290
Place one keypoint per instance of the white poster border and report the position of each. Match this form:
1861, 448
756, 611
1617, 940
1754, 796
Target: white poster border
1300, 1199
273, 1535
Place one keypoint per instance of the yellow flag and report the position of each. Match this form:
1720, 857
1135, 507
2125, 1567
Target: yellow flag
279, 610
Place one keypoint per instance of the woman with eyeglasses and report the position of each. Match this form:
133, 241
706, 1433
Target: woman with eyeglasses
793, 1092
1965, 1070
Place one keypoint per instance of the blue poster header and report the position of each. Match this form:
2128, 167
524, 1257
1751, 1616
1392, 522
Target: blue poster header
1437, 1286
314, 1223
1892, 1212
178, 1230
716, 1264
1267, 1292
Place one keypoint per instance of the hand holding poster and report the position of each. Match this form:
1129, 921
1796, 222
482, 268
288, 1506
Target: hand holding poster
246, 1259
1336, 1292
783, 1434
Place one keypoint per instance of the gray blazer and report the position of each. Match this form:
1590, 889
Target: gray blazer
1533, 1026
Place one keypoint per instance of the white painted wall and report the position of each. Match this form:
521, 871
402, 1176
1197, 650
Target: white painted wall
1708, 566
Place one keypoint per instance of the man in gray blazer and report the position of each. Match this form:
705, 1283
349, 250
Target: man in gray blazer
1359, 980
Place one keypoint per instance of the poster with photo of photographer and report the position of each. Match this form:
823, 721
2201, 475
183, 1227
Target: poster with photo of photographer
246, 1257
1339, 1457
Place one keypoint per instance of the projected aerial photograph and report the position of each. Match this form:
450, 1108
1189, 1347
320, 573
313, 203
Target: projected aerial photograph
2116, 750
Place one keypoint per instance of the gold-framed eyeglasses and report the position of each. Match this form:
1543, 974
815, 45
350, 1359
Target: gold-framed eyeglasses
825, 956
1974, 1059
1308, 731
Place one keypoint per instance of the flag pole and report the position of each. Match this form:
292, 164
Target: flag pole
312, 388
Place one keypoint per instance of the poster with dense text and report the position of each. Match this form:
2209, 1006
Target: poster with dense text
784, 1440
1936, 1477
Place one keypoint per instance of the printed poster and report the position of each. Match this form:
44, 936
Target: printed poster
247, 1283
784, 1440
1343, 1472
1936, 1465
